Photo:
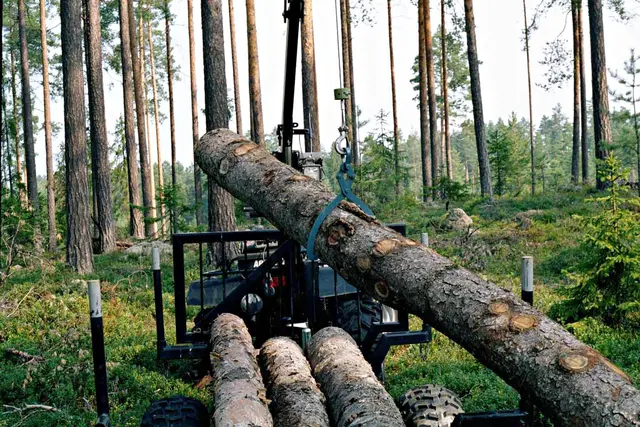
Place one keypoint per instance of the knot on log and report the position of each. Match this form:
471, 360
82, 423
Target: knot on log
338, 231
522, 322
298, 178
244, 148
577, 361
363, 262
385, 247
224, 166
382, 289
498, 308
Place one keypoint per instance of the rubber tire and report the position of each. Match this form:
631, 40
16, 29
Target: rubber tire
370, 311
429, 406
177, 411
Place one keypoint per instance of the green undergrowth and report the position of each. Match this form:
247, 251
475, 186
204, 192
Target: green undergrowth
43, 312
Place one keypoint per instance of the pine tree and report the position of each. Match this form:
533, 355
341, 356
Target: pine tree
575, 152
197, 173
396, 149
255, 93
309, 84
424, 114
526, 43
431, 92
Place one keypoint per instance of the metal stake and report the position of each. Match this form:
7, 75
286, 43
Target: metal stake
97, 347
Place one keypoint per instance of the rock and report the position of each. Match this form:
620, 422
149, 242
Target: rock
457, 219
144, 248
524, 219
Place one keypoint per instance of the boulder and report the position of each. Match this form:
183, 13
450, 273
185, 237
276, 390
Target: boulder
144, 248
457, 219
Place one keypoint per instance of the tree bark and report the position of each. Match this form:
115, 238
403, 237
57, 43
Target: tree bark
7, 141
79, 256
445, 91
424, 112
239, 395
147, 195
16, 132
355, 145
221, 206
575, 152
172, 120
197, 173
346, 66
48, 143
355, 395
570, 382
431, 91
152, 61
309, 83
584, 123
27, 115
296, 399
526, 44
255, 93
98, 130
396, 148
601, 121
476, 98
135, 216
234, 62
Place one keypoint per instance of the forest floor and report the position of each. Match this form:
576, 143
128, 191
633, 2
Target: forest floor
44, 312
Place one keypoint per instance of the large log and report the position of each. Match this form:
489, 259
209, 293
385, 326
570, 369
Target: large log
356, 397
239, 395
570, 382
295, 397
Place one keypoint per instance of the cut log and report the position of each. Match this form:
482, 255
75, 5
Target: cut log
534, 356
295, 397
355, 396
239, 395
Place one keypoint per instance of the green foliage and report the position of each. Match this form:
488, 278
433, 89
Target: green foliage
607, 283
507, 146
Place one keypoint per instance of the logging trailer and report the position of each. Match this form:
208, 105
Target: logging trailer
279, 288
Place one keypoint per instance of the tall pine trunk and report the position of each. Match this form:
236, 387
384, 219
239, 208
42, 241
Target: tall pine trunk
575, 152
346, 69
601, 121
27, 114
145, 99
136, 222
431, 92
309, 83
156, 118
445, 91
5, 128
424, 112
396, 148
46, 97
526, 45
234, 62
16, 132
255, 93
172, 120
584, 121
98, 127
354, 107
79, 255
476, 98
221, 206
197, 173
147, 195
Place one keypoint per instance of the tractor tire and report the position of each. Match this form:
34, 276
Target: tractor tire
370, 311
429, 406
177, 411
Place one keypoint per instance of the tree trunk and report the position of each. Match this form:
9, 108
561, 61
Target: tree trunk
135, 216
570, 382
309, 84
575, 152
197, 173
147, 195
355, 395
157, 122
354, 107
27, 115
79, 256
431, 92
396, 148
296, 399
526, 44
16, 132
7, 141
99, 143
601, 122
346, 67
239, 395
48, 143
424, 112
476, 98
172, 120
255, 93
584, 122
221, 206
234, 62
445, 91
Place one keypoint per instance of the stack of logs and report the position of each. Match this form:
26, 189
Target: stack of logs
354, 396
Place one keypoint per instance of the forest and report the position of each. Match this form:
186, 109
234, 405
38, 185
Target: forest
104, 129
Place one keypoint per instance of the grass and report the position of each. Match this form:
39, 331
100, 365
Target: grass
44, 312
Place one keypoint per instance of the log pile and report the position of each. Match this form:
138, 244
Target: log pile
570, 382
294, 394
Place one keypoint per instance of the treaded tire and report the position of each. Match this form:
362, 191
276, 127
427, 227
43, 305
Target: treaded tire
370, 311
429, 406
177, 411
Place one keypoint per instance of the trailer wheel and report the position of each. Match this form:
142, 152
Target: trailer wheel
370, 311
429, 406
177, 411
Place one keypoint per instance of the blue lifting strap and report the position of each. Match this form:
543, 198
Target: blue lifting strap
345, 194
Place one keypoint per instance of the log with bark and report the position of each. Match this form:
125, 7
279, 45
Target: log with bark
355, 396
239, 395
295, 397
570, 382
